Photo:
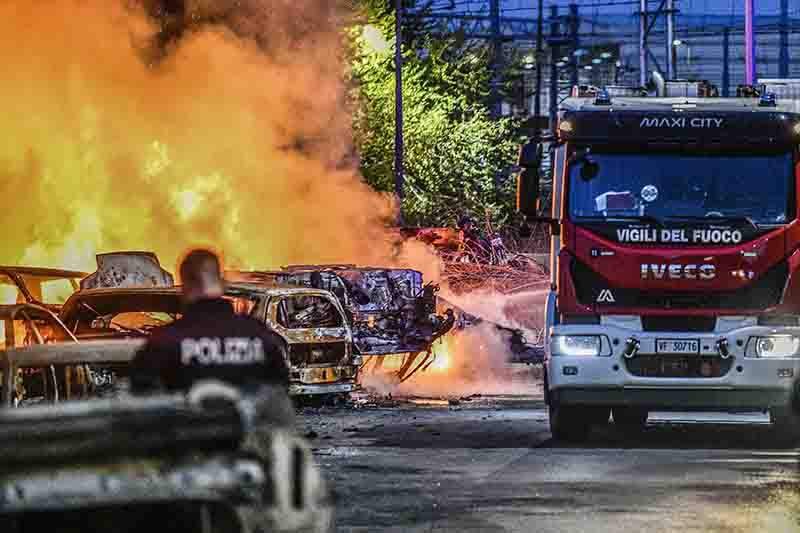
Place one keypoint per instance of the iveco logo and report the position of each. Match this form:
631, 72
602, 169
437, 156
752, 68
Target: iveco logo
605, 297
662, 271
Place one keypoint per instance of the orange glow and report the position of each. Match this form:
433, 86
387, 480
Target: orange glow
8, 294
441, 350
226, 143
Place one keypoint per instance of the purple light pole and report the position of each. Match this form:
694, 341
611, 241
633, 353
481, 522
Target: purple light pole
749, 43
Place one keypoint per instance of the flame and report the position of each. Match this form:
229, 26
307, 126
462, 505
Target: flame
442, 361
239, 138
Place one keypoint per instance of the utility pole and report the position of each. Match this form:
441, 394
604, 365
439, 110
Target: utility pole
555, 37
648, 20
671, 53
497, 56
726, 61
399, 177
574, 25
643, 42
749, 43
537, 104
783, 54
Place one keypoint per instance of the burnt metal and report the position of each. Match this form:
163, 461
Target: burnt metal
90, 314
128, 269
214, 457
390, 311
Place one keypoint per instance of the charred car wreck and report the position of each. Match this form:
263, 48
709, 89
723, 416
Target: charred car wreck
317, 339
209, 461
391, 311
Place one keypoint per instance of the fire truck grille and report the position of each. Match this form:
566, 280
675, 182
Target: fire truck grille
678, 366
703, 324
763, 293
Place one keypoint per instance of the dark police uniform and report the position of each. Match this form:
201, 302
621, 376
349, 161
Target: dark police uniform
210, 342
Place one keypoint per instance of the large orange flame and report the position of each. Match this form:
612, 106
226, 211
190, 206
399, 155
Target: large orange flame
224, 142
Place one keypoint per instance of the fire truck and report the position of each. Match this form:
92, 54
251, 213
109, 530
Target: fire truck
675, 257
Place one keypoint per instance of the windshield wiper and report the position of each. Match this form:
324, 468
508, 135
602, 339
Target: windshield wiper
647, 219
712, 219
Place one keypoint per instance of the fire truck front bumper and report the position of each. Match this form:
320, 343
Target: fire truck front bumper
740, 365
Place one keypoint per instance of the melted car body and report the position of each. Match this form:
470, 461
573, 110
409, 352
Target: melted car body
311, 323
48, 287
210, 460
390, 310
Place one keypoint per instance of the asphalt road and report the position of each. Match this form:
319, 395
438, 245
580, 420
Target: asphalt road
489, 464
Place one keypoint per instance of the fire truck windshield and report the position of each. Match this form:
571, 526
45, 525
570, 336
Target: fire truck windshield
755, 188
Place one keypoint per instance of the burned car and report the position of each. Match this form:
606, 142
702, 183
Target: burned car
26, 325
120, 313
65, 371
48, 287
211, 460
390, 310
311, 323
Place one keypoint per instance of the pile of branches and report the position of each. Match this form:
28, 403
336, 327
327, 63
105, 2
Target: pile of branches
521, 274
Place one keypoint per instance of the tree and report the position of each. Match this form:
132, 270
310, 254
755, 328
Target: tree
457, 157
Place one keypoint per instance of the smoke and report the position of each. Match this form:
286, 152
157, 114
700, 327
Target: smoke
474, 360
470, 361
159, 125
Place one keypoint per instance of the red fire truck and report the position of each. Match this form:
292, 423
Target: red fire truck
675, 259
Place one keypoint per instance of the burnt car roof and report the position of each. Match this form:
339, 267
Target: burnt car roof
109, 300
50, 273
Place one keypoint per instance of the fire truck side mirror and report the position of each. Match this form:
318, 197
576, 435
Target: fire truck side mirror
529, 155
529, 161
528, 191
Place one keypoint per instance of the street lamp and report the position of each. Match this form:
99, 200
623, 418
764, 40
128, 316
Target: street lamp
677, 43
528, 62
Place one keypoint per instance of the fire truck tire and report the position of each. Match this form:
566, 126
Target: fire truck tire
569, 423
630, 419
785, 430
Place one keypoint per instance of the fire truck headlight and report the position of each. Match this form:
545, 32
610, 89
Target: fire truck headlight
796, 129
577, 345
773, 346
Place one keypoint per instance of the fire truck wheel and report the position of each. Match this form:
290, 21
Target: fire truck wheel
569, 423
630, 419
785, 428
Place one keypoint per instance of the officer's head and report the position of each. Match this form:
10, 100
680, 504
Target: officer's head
201, 276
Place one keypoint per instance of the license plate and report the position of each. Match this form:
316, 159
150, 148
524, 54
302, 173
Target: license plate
677, 346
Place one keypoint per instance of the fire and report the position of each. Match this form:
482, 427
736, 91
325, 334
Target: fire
230, 141
442, 359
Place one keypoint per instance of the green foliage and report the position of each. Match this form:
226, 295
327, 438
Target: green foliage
456, 156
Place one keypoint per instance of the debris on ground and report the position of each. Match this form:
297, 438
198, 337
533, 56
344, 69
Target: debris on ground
464, 278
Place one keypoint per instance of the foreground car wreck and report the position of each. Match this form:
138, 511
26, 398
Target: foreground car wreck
207, 461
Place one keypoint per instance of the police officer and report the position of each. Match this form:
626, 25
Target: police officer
209, 341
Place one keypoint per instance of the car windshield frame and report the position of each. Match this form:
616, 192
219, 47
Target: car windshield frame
635, 206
